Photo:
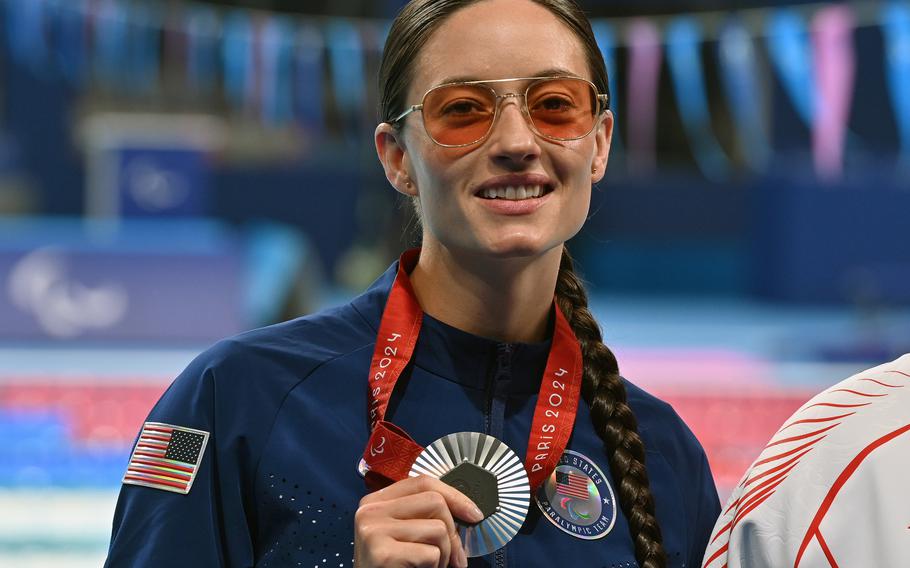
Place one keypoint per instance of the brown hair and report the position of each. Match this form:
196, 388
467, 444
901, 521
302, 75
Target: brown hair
419, 19
602, 388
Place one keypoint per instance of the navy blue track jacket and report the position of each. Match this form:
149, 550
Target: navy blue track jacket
286, 412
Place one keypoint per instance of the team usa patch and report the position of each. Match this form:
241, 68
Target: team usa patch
166, 457
578, 498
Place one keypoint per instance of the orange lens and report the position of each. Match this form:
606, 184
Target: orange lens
562, 108
461, 114
458, 114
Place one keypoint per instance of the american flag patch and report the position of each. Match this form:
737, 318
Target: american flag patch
166, 457
572, 484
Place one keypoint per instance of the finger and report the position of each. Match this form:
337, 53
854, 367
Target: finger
433, 532
419, 507
395, 554
459, 556
458, 503
430, 505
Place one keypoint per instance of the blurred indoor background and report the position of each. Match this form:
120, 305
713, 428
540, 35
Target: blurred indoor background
174, 172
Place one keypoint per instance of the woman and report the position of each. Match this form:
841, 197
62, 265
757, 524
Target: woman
495, 123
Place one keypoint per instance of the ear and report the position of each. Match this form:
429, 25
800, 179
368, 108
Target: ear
603, 136
393, 154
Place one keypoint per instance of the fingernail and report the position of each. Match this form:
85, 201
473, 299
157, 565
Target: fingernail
477, 513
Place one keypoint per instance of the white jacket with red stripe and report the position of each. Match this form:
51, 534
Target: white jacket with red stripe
830, 489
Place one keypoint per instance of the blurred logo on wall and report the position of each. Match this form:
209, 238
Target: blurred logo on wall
154, 188
142, 280
40, 284
150, 165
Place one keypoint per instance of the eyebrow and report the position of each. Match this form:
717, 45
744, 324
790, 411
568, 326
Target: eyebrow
551, 72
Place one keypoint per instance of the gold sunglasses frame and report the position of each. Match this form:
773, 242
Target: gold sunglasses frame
603, 105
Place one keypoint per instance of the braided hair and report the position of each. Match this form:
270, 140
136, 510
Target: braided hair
602, 387
604, 392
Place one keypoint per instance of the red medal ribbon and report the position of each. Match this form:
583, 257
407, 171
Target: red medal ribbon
390, 452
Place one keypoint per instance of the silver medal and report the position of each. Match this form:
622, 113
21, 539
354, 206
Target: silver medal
487, 471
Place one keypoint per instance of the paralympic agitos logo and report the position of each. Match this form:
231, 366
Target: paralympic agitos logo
41, 284
578, 498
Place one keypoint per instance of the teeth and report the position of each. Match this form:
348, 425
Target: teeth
515, 193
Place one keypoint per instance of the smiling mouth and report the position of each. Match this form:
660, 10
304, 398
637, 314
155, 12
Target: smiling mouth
515, 192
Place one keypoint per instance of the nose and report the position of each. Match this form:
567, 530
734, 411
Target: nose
513, 143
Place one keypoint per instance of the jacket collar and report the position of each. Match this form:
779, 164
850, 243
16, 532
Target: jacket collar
458, 356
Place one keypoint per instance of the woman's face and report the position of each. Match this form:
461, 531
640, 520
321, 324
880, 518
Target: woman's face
497, 39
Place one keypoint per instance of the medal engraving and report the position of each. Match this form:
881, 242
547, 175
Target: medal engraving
477, 483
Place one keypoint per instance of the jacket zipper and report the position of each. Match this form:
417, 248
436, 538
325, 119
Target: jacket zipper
503, 367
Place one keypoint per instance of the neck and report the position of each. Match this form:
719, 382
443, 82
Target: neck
502, 299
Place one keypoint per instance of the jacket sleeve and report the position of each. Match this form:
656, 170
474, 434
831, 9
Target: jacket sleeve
205, 527
707, 512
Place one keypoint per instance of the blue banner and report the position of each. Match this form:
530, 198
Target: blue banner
896, 29
789, 46
237, 54
25, 31
144, 36
110, 42
202, 35
345, 50
684, 41
606, 40
70, 49
310, 70
276, 56
740, 77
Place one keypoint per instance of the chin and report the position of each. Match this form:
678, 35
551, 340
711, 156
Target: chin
522, 247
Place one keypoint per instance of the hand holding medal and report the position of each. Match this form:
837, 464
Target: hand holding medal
479, 465
490, 474
412, 522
